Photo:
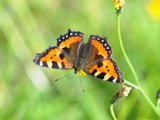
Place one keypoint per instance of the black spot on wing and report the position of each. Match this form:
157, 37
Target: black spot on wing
44, 64
101, 75
67, 50
99, 64
54, 64
111, 79
94, 71
98, 57
61, 56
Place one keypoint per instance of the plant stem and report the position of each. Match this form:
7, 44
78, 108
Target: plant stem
123, 51
150, 102
131, 84
138, 86
112, 112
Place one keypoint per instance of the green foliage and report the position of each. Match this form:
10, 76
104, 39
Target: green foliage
29, 92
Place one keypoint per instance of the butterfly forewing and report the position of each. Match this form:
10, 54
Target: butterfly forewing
101, 44
70, 43
53, 57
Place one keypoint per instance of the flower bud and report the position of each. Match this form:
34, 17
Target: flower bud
118, 4
124, 91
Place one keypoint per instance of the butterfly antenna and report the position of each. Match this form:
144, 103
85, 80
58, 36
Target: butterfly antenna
63, 77
81, 85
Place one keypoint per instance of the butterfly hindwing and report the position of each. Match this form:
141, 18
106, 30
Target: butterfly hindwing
107, 70
53, 57
99, 63
70, 43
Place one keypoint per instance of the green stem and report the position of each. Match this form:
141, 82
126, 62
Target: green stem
123, 51
150, 102
131, 84
133, 71
112, 112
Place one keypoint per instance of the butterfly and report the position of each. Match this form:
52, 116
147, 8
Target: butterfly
94, 57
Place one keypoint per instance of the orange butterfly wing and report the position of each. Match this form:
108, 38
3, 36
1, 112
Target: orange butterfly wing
107, 70
70, 43
63, 55
53, 57
101, 45
100, 63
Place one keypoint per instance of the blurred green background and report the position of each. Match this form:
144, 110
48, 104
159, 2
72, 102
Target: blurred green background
29, 92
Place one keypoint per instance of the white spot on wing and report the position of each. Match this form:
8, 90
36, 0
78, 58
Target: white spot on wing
59, 40
63, 37
97, 73
75, 33
41, 64
59, 65
71, 34
102, 40
98, 38
49, 64
106, 77
107, 48
114, 80
66, 36
93, 37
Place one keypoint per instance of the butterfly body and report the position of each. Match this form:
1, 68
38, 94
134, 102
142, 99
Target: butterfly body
81, 61
93, 57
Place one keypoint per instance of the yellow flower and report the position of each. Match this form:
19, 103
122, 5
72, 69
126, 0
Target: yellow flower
118, 4
153, 8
